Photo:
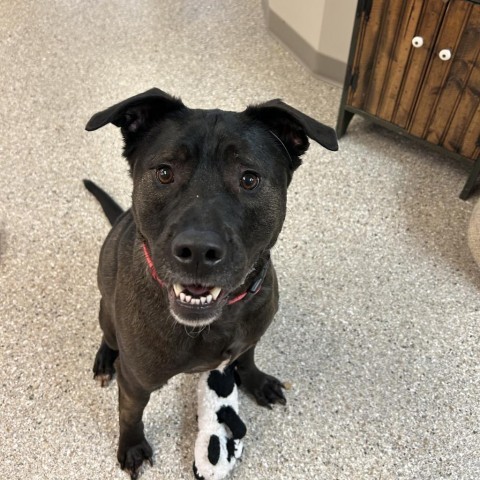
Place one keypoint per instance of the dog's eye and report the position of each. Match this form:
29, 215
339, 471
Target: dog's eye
164, 174
249, 180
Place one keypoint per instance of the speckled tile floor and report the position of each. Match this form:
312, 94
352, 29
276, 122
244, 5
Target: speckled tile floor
380, 301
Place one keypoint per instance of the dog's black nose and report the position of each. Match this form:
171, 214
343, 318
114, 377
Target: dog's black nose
202, 248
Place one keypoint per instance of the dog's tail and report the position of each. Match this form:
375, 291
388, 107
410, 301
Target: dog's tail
111, 208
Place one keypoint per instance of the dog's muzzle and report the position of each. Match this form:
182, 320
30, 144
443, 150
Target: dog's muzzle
198, 305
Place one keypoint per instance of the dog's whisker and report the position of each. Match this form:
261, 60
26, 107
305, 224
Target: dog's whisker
190, 334
283, 145
194, 332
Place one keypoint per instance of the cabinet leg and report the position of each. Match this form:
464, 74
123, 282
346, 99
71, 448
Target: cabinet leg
472, 180
344, 118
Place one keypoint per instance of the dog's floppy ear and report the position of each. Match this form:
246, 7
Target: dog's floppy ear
137, 113
293, 128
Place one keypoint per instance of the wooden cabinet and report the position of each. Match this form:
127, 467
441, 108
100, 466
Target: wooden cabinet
414, 67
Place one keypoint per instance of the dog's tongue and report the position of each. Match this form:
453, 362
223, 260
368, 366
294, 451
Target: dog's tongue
197, 290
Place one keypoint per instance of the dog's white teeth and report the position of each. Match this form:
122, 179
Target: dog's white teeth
177, 288
215, 292
202, 300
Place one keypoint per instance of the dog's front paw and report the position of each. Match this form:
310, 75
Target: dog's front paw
131, 458
266, 390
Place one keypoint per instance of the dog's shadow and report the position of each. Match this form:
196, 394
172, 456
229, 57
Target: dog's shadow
425, 189
436, 218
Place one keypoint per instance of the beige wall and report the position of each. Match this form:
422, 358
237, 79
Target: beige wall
304, 16
326, 25
336, 28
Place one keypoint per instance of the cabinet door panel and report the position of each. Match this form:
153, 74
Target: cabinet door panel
385, 45
365, 53
428, 108
409, 64
460, 98
388, 68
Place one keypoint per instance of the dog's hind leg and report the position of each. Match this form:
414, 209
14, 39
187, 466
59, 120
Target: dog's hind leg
266, 389
103, 368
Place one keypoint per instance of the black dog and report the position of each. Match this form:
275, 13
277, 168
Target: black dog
209, 201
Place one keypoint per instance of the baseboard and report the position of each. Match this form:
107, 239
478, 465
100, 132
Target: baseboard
326, 67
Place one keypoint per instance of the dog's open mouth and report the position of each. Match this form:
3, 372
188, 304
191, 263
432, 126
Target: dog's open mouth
196, 305
196, 295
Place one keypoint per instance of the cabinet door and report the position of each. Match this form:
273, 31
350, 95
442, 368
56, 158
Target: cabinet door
387, 68
447, 110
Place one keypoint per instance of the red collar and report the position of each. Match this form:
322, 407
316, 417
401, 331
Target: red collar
253, 289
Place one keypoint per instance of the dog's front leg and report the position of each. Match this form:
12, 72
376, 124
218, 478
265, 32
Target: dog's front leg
264, 388
133, 448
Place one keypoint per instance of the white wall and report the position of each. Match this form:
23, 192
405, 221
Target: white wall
336, 28
326, 25
304, 16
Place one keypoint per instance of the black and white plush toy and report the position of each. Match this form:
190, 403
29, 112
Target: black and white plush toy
220, 429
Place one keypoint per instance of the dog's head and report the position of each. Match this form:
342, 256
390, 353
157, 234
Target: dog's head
209, 190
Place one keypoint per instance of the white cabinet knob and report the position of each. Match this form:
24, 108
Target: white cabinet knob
445, 54
417, 42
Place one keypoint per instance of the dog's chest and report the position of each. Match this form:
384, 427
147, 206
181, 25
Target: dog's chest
215, 348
